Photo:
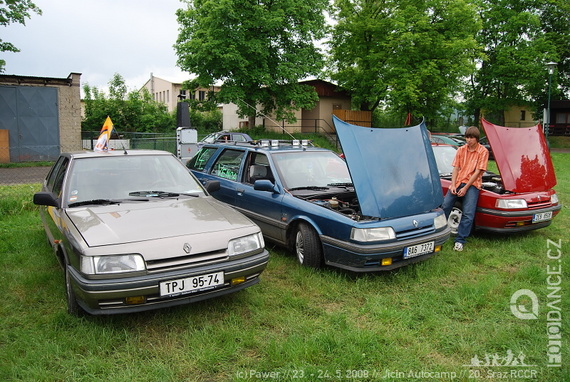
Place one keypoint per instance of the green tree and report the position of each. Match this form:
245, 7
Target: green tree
512, 70
14, 11
405, 56
555, 19
130, 111
258, 50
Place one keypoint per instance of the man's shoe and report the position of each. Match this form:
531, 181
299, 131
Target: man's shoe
458, 247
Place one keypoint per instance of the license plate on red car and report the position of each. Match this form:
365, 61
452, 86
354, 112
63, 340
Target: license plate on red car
191, 284
420, 249
543, 216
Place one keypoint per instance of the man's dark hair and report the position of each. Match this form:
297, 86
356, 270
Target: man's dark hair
472, 132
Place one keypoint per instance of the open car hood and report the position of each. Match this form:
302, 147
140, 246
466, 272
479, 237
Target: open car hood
393, 170
522, 157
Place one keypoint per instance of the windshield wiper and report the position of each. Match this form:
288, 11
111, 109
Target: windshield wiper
313, 188
159, 194
340, 185
95, 201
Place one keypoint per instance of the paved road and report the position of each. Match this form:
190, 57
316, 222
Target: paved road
23, 175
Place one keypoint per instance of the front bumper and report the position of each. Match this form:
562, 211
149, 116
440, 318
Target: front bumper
504, 221
107, 296
368, 258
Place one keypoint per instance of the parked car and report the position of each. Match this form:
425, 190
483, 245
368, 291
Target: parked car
521, 198
225, 137
485, 142
134, 230
442, 139
379, 212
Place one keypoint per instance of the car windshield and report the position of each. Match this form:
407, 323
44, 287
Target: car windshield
444, 156
211, 138
128, 177
311, 169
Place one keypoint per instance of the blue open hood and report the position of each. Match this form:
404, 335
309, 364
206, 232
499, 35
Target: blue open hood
393, 170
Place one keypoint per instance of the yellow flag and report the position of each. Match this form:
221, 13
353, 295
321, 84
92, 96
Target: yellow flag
105, 135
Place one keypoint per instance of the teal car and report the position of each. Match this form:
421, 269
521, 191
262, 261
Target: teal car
378, 209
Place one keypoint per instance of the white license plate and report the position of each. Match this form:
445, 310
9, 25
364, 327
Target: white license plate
191, 284
543, 216
420, 249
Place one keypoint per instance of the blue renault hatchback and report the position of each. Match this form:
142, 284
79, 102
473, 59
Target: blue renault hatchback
377, 210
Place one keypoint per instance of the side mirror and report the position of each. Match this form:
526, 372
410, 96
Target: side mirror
212, 185
46, 199
263, 185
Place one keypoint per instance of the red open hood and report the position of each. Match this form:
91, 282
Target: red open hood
522, 157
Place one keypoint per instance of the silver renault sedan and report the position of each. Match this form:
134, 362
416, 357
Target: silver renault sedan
134, 230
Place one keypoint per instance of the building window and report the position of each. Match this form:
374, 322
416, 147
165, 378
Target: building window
201, 95
523, 115
563, 118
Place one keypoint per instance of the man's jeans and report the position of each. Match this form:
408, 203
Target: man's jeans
469, 207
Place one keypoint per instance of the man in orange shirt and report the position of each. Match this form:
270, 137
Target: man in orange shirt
469, 165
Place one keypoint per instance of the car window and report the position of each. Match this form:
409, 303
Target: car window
228, 164
444, 156
258, 168
210, 138
118, 176
56, 177
239, 138
311, 169
199, 161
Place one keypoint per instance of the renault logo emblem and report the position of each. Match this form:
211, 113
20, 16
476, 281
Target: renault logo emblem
187, 248
415, 223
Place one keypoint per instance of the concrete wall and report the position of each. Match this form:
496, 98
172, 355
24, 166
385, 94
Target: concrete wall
70, 114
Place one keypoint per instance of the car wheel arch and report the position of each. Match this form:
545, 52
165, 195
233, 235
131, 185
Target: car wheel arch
293, 226
314, 257
60, 254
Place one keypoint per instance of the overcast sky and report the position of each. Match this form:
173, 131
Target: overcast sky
97, 38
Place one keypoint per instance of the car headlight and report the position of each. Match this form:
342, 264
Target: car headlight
245, 244
372, 234
440, 221
554, 199
510, 203
101, 265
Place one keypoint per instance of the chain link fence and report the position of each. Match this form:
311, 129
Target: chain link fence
27, 177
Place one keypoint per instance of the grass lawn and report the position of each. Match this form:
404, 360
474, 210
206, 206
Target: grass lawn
429, 321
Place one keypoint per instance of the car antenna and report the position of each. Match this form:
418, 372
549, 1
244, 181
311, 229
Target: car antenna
122, 143
276, 124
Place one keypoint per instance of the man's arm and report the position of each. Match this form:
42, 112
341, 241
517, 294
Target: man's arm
469, 182
452, 187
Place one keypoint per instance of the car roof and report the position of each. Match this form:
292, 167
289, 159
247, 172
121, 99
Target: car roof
113, 153
266, 145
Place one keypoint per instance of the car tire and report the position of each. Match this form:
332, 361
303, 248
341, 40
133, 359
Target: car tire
73, 307
307, 246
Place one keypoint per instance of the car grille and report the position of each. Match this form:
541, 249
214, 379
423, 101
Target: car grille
539, 204
411, 233
181, 262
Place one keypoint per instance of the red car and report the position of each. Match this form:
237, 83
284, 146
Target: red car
521, 198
